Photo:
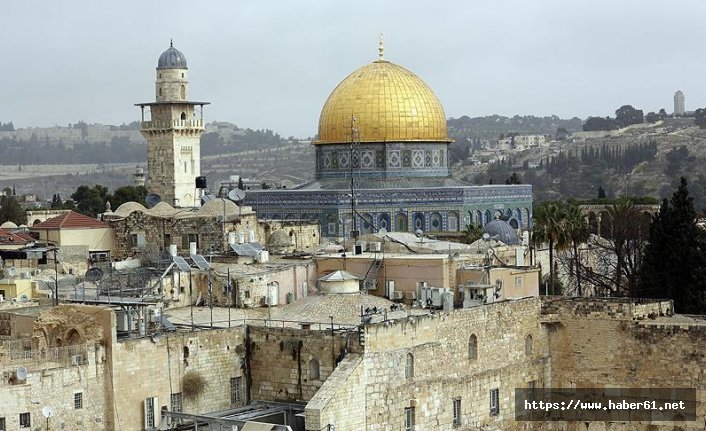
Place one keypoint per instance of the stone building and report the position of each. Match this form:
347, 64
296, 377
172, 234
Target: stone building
679, 103
213, 227
382, 156
173, 133
406, 370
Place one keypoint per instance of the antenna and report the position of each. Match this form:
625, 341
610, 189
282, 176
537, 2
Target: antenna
152, 199
47, 412
419, 233
21, 373
236, 195
94, 274
12, 271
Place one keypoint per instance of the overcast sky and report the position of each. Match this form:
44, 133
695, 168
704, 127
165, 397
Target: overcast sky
272, 64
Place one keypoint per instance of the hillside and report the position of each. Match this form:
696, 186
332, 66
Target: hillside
621, 164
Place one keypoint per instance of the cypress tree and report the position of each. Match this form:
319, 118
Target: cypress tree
674, 264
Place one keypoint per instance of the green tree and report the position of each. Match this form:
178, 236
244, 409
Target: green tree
10, 210
577, 232
601, 192
127, 194
548, 228
90, 200
626, 115
513, 179
472, 233
674, 264
700, 117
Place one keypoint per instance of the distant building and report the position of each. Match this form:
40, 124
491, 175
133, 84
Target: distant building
679, 103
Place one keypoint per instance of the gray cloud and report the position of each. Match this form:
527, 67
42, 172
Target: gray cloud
272, 64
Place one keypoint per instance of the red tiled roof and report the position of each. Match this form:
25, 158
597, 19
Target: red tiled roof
7, 237
70, 220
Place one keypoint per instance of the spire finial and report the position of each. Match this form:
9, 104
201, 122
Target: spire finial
171, 43
381, 47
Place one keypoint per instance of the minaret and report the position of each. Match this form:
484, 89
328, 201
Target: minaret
173, 133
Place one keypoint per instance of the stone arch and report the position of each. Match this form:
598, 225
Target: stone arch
366, 224
37, 221
452, 221
314, 369
183, 116
526, 218
401, 222
518, 215
73, 337
384, 221
473, 347
436, 223
508, 213
528, 345
409, 366
479, 218
418, 221
488, 217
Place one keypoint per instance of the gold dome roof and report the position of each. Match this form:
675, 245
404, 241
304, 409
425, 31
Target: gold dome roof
390, 104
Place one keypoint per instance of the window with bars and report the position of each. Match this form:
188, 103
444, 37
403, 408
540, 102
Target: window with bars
176, 402
409, 418
494, 402
457, 411
78, 400
236, 390
150, 406
25, 420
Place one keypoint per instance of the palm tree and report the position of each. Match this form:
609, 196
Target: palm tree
548, 227
577, 231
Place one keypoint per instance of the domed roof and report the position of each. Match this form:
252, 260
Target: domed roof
8, 225
501, 231
390, 104
172, 58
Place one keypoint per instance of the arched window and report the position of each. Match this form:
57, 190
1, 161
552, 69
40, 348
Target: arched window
183, 92
183, 116
435, 221
473, 347
409, 366
314, 369
528, 345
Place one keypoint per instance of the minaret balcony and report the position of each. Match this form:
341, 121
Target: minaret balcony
172, 124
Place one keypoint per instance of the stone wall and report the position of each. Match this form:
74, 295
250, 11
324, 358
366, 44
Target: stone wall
281, 361
340, 398
143, 368
443, 370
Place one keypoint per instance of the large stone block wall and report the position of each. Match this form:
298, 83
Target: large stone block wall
340, 398
54, 385
597, 344
143, 368
443, 370
281, 357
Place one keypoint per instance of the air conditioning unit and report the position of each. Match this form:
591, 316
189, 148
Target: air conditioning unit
25, 275
410, 295
399, 295
375, 246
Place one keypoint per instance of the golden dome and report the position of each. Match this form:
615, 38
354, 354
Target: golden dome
390, 104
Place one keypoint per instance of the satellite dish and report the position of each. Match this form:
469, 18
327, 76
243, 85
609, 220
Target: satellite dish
21, 373
23, 298
152, 199
47, 412
382, 231
12, 271
419, 233
236, 195
94, 274
486, 236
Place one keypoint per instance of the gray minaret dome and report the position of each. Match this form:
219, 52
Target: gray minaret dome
172, 58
